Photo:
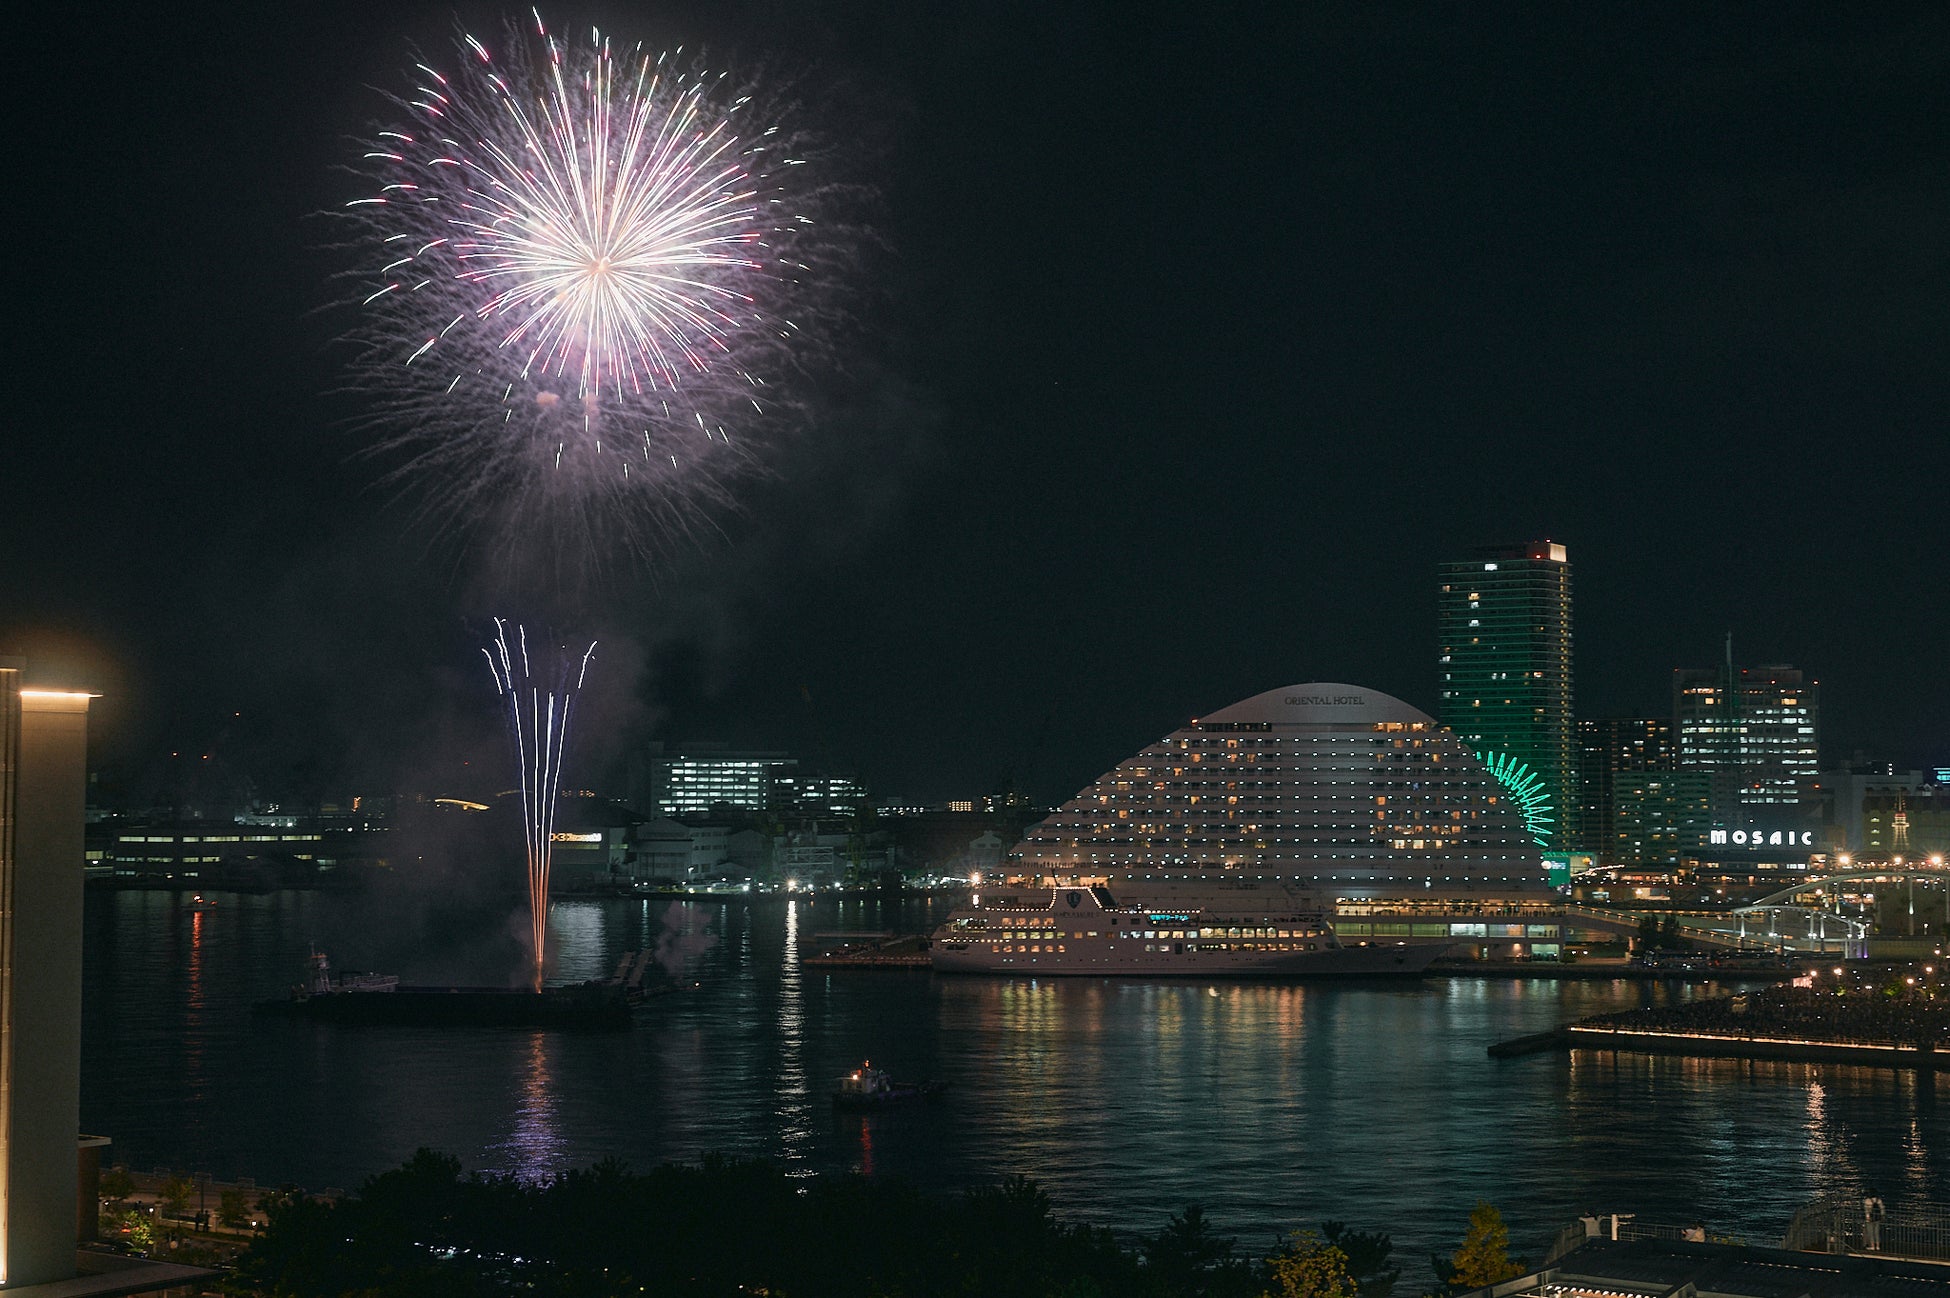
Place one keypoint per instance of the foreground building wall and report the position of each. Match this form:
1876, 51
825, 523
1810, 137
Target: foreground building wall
43, 783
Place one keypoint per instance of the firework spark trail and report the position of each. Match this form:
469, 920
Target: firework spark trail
539, 707
591, 279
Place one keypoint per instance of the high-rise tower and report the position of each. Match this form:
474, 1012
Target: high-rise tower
1608, 750
1504, 627
1753, 731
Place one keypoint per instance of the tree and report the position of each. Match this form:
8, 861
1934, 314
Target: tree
233, 1209
1309, 1267
136, 1227
1189, 1259
117, 1184
1669, 936
1648, 932
1367, 1258
1018, 1206
1188, 1242
174, 1197
1484, 1257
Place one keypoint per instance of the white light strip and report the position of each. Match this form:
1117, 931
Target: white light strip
1707, 1036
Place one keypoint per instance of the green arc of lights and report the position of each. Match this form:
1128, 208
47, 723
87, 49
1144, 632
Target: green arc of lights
1527, 789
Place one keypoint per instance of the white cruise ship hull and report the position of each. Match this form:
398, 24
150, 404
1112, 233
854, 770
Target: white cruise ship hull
953, 956
1230, 933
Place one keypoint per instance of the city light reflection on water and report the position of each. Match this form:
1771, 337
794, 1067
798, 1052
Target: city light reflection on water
1272, 1105
794, 1107
196, 1007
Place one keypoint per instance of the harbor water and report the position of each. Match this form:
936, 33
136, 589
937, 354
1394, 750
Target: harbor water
1272, 1105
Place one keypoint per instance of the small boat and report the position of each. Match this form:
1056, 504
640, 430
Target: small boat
867, 1087
198, 902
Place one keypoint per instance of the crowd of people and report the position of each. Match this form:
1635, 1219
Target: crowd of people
1901, 1010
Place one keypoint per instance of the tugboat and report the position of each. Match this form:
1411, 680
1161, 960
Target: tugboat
198, 902
867, 1087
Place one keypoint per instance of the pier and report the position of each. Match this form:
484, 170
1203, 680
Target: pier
1882, 1018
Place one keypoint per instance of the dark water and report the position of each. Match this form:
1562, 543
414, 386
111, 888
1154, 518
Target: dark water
1272, 1105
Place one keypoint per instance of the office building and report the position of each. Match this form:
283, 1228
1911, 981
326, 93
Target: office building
1504, 632
1657, 818
696, 777
1860, 802
812, 794
1901, 822
1606, 750
1753, 732
43, 784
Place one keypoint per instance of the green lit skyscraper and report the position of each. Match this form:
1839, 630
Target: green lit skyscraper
1504, 626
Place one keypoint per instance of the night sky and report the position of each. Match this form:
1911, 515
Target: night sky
1193, 345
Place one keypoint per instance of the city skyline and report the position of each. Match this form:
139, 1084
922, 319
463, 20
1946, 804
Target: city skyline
1035, 688
1068, 493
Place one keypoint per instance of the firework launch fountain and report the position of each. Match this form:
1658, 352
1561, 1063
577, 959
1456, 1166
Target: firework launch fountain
539, 705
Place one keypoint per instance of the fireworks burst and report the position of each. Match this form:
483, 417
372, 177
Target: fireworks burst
539, 704
590, 284
1527, 789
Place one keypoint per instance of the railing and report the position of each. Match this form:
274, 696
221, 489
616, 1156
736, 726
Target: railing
1850, 942
1444, 909
1841, 1224
1632, 919
1627, 1226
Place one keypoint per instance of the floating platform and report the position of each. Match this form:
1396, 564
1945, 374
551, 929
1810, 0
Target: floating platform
598, 1005
591, 1006
1536, 1043
869, 951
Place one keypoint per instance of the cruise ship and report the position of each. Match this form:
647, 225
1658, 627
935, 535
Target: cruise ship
1213, 930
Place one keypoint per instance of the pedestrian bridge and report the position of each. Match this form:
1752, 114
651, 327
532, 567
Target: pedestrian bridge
1768, 925
1933, 881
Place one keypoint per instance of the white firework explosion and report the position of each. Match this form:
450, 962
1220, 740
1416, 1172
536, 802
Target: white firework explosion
590, 283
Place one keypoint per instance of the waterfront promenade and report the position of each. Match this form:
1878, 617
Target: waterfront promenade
1880, 1017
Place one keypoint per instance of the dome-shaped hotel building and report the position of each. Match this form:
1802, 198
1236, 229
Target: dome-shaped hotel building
1336, 789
